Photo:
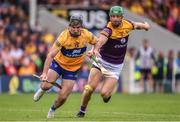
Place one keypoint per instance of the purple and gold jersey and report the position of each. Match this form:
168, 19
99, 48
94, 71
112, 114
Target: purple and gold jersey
114, 50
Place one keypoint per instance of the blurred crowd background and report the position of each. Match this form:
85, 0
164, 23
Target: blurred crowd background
23, 49
164, 12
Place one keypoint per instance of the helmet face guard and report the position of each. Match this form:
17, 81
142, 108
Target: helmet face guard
116, 10
76, 20
75, 25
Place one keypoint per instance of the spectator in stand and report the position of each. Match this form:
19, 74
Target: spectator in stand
177, 26
2, 67
5, 54
177, 72
48, 38
163, 12
63, 2
125, 3
137, 8
42, 51
147, 58
170, 67
159, 77
17, 39
173, 15
27, 68
2, 35
94, 2
15, 52
10, 68
170, 71
15, 30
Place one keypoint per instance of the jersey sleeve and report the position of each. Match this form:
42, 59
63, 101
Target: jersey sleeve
59, 41
131, 25
106, 32
92, 38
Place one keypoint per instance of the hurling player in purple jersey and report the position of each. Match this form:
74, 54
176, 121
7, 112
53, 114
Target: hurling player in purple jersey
110, 52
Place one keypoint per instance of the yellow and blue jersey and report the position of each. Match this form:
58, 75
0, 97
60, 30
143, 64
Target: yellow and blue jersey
72, 49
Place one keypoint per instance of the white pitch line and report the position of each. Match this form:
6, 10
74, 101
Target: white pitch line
115, 113
19, 110
127, 113
140, 114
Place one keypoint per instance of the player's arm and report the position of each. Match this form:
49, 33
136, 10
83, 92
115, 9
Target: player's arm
102, 39
92, 41
90, 52
140, 25
52, 53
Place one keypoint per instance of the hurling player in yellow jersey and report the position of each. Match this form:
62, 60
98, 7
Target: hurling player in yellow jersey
110, 51
65, 59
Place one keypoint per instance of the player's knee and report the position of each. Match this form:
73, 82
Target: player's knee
88, 89
45, 86
63, 96
105, 93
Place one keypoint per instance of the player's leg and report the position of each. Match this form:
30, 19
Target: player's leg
51, 77
68, 80
108, 88
93, 80
161, 85
177, 83
67, 86
151, 80
111, 79
142, 80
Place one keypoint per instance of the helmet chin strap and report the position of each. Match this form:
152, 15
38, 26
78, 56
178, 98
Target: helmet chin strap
115, 26
75, 35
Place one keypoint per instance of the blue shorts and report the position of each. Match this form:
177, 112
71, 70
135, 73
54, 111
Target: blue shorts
69, 75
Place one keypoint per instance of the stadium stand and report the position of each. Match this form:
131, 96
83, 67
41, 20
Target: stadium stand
23, 49
163, 12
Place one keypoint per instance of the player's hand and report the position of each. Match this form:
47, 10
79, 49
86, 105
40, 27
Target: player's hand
96, 53
146, 26
43, 77
90, 53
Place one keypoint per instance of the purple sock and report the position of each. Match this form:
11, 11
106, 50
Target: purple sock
83, 109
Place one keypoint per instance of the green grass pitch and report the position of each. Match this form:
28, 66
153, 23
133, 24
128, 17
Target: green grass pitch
122, 107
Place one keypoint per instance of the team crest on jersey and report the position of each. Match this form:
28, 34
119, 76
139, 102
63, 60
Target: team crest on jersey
76, 44
123, 41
